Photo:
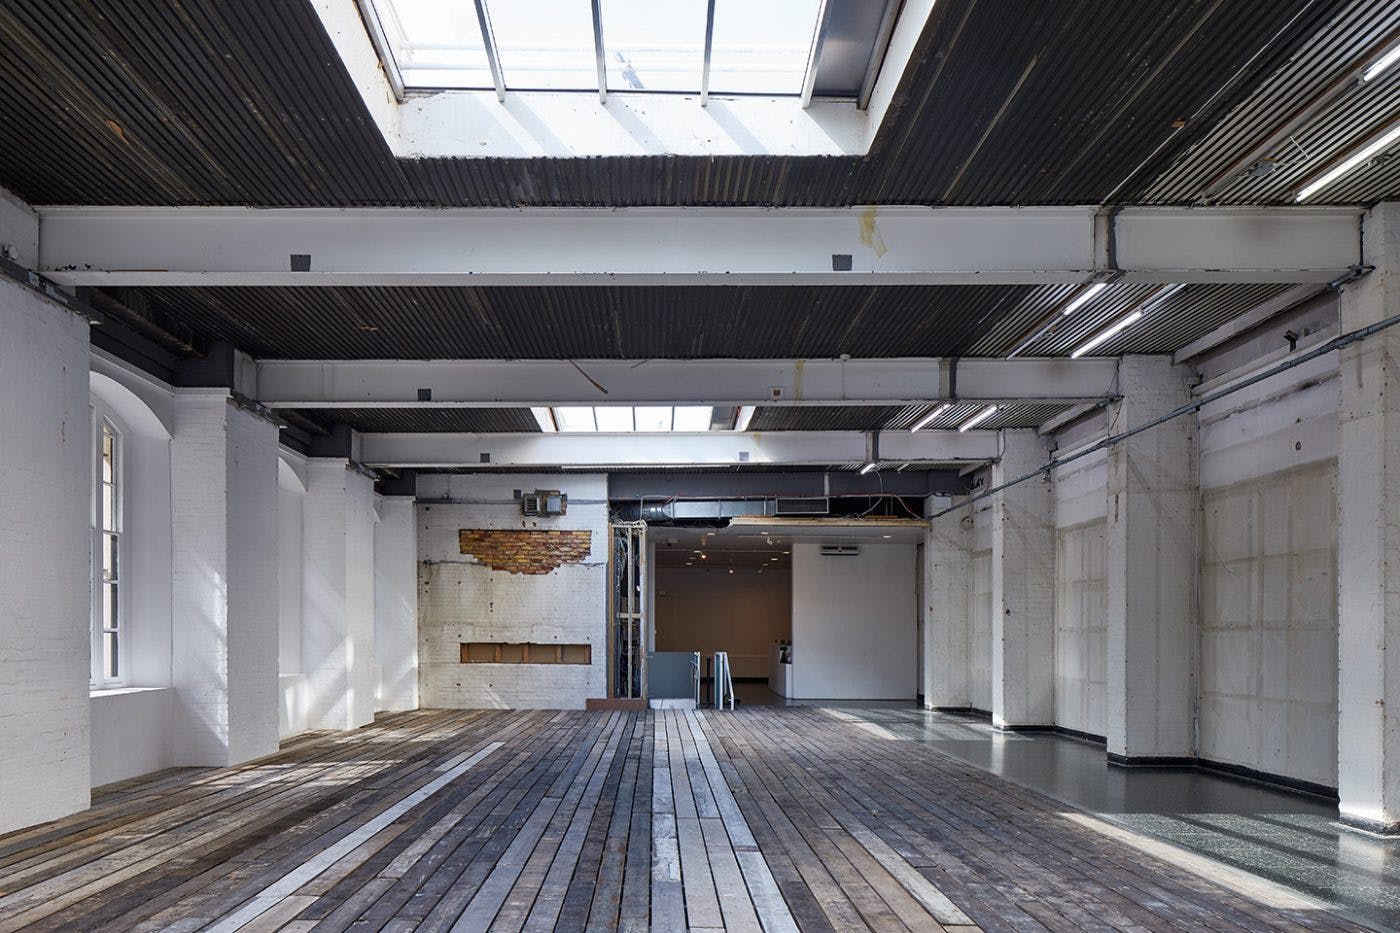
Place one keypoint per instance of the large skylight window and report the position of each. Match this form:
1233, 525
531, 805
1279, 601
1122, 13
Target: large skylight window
774, 48
624, 419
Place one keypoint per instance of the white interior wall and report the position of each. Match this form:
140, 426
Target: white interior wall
854, 622
45, 462
291, 494
131, 729
1268, 689
707, 610
1081, 632
980, 629
396, 603
462, 600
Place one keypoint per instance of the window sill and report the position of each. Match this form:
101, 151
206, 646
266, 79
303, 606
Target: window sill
100, 692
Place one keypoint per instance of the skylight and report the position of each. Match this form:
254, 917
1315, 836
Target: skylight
774, 48
624, 419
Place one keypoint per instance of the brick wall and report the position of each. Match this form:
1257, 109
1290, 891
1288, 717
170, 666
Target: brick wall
531, 552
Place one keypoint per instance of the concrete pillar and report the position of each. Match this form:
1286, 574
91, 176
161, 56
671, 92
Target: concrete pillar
337, 648
224, 640
1150, 564
1023, 586
947, 608
396, 602
45, 612
1368, 553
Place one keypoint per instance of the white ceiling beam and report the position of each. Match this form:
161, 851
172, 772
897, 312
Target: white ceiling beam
693, 245
491, 383
721, 448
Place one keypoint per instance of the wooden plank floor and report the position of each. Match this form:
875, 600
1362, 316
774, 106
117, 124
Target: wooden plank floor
755, 820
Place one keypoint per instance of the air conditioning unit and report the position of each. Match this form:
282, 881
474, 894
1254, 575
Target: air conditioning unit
544, 502
840, 550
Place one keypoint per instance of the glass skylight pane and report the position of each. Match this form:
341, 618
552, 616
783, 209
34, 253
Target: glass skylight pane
653, 418
436, 43
693, 417
575, 418
545, 45
654, 46
762, 48
616, 418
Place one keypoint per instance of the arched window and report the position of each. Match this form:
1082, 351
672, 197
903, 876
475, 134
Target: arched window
108, 549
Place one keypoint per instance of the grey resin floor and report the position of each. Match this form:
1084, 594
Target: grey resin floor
1285, 837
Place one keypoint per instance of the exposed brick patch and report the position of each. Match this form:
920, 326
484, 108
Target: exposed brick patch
532, 552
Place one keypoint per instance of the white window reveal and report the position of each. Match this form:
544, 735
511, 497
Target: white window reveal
626, 77
108, 553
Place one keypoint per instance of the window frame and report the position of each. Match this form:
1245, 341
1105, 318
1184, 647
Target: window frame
102, 625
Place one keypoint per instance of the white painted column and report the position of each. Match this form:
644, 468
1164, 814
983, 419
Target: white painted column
947, 608
337, 649
1150, 563
396, 602
45, 482
1023, 586
224, 640
1368, 553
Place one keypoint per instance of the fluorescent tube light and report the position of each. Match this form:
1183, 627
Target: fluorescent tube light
978, 418
1084, 298
1382, 64
928, 419
867, 468
1107, 334
545, 419
741, 423
1360, 158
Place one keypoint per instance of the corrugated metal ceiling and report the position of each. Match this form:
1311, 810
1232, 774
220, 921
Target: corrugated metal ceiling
1005, 102
751, 322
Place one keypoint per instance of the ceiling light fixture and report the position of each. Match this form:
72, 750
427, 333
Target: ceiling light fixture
1363, 155
1107, 334
928, 419
1083, 298
745, 415
978, 418
1382, 64
867, 468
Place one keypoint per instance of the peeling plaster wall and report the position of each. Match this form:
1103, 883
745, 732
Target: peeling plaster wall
1081, 633
1268, 690
463, 600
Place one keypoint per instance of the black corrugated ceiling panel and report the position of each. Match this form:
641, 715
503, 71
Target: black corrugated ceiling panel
1360, 32
1006, 102
753, 322
426, 420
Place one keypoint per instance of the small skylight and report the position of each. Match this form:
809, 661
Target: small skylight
624, 419
774, 48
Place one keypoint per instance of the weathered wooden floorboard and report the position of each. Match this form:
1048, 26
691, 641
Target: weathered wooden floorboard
754, 820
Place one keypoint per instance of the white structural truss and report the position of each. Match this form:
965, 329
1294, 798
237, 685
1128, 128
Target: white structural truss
722, 448
694, 246
491, 383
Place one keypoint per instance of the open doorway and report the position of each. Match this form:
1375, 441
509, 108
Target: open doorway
808, 611
729, 591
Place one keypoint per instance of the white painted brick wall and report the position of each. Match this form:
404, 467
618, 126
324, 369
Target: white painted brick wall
461, 600
1080, 611
396, 603
1023, 586
948, 608
44, 540
1368, 486
224, 581
1153, 506
338, 605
